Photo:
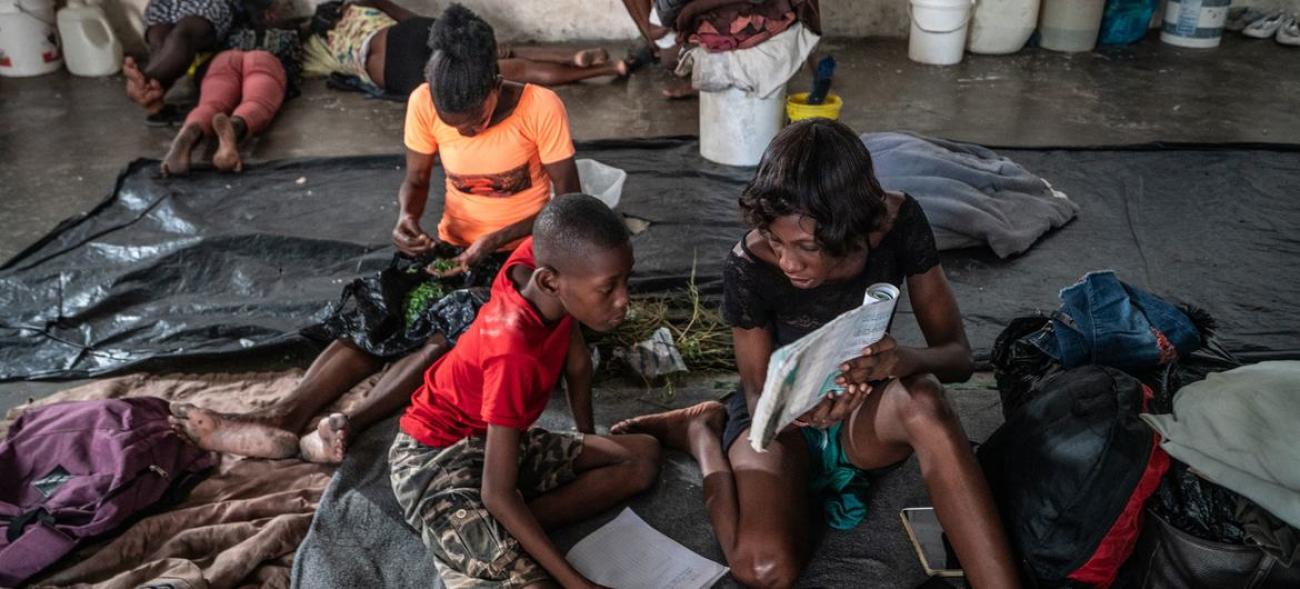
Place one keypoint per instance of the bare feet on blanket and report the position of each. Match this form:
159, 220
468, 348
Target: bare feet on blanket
226, 158
177, 162
328, 443
590, 57
677, 428
229, 433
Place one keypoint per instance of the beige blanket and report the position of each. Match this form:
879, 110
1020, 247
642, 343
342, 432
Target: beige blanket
238, 528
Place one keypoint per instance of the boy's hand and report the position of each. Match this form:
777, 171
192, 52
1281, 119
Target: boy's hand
409, 238
879, 361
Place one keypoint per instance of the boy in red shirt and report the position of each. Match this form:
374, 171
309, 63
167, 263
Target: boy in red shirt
471, 474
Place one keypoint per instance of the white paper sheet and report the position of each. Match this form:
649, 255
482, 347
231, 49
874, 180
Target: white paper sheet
627, 553
800, 374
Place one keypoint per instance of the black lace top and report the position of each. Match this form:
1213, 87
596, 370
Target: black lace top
757, 294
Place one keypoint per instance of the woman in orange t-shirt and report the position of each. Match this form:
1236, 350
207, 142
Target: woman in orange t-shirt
504, 147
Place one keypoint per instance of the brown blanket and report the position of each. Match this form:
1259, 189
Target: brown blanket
238, 528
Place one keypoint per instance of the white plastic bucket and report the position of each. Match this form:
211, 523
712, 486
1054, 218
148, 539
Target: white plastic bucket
735, 127
938, 32
1070, 25
28, 43
602, 181
1194, 23
89, 45
999, 27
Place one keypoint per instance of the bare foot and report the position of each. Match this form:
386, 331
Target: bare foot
590, 57
680, 90
622, 68
676, 428
152, 99
135, 80
140, 89
226, 158
228, 433
328, 443
177, 161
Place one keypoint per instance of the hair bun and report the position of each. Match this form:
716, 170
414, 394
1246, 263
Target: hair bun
462, 35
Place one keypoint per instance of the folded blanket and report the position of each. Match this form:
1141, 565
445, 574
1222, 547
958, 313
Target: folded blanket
239, 527
971, 195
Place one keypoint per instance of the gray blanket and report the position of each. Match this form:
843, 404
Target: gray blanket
358, 537
971, 195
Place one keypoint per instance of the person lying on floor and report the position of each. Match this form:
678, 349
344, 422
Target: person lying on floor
470, 471
822, 231
503, 146
175, 32
386, 48
240, 91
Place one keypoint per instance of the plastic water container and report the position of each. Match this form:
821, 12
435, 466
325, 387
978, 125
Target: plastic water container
89, 45
1194, 23
602, 181
28, 43
735, 127
938, 32
1070, 25
999, 27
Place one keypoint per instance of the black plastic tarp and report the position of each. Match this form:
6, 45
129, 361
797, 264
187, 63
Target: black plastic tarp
218, 263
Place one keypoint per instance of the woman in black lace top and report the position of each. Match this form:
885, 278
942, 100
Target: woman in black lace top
822, 231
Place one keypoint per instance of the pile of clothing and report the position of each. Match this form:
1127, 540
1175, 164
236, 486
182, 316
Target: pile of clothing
1201, 484
753, 45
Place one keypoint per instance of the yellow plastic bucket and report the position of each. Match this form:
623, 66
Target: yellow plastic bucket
798, 109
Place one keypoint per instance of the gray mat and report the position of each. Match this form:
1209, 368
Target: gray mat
359, 539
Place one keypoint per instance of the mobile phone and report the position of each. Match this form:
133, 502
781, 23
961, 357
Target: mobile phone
930, 542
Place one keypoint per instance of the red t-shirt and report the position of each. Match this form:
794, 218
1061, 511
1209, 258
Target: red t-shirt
501, 372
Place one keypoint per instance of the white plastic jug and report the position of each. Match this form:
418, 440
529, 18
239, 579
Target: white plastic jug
1002, 26
28, 43
89, 44
938, 32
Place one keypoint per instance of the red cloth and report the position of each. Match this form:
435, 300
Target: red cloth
501, 372
246, 84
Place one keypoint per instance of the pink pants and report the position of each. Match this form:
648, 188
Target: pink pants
246, 84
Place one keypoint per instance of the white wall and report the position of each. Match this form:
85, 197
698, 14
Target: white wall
591, 20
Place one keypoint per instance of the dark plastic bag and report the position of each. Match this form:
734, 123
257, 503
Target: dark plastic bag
371, 311
1018, 365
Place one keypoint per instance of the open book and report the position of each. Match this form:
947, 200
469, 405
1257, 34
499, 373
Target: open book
627, 553
801, 374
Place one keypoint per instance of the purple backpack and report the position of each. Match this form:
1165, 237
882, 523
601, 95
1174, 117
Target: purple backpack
74, 471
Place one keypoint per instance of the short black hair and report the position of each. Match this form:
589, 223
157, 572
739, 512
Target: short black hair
327, 15
818, 168
462, 70
574, 225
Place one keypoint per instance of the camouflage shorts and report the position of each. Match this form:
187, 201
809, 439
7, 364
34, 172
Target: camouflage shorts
439, 491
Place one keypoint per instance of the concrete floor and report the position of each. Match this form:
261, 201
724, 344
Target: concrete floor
63, 140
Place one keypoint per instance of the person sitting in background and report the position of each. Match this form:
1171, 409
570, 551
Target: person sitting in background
385, 48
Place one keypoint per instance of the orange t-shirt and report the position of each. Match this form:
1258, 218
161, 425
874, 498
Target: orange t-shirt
494, 178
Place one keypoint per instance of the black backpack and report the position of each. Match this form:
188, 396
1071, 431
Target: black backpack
1071, 470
